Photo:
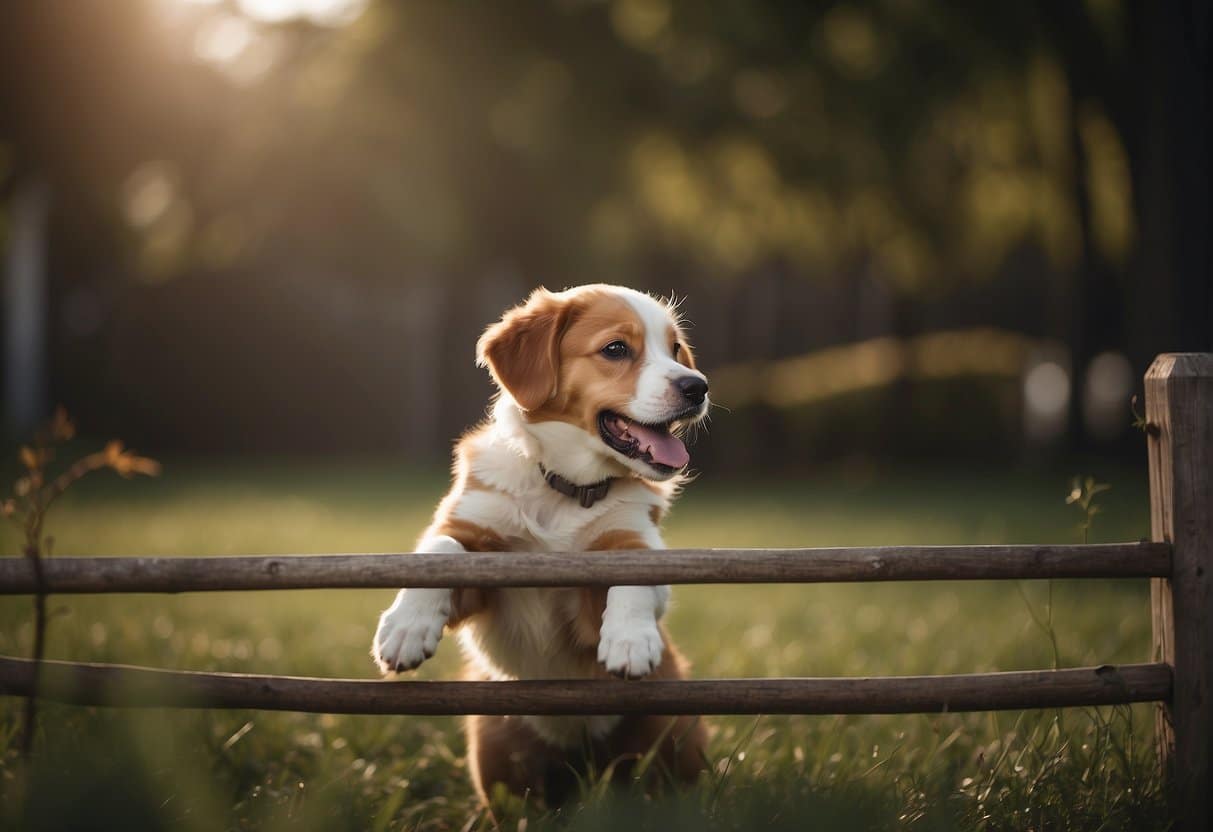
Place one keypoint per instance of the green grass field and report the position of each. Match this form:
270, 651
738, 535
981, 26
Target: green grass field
1077, 769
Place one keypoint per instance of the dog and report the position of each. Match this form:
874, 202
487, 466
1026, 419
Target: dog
581, 451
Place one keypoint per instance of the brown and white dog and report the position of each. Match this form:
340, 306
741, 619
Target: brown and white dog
581, 452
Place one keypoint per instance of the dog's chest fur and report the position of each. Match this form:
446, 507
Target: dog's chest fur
529, 632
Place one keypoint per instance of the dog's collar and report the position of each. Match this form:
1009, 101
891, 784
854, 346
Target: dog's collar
586, 495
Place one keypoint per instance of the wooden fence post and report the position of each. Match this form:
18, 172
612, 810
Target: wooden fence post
1179, 413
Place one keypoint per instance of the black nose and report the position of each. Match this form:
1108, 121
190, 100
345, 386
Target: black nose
693, 388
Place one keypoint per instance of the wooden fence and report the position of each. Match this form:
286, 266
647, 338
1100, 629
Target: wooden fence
1179, 562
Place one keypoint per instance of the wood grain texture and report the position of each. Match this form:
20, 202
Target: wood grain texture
1179, 403
124, 686
643, 567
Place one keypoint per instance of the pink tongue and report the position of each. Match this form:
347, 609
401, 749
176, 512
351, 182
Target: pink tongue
663, 447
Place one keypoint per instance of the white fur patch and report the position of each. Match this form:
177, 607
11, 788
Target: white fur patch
630, 644
530, 511
409, 630
656, 397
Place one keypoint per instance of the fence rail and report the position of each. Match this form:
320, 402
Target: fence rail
644, 567
124, 686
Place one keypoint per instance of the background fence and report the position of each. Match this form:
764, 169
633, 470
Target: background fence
1179, 427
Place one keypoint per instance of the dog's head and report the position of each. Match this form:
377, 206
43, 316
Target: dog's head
608, 368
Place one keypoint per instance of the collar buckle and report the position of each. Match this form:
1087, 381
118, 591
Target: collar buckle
586, 495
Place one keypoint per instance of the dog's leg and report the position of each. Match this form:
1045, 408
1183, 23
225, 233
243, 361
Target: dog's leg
630, 644
504, 749
680, 741
409, 630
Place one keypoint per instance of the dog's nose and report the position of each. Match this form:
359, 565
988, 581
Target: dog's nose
693, 388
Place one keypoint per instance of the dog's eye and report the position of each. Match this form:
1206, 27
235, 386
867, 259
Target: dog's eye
616, 350
675, 350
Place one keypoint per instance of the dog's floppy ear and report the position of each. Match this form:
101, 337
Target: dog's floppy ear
522, 350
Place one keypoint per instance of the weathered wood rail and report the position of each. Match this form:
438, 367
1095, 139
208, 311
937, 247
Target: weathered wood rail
1178, 560
121, 686
675, 566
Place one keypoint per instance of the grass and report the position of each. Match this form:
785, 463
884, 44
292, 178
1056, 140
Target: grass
1075, 769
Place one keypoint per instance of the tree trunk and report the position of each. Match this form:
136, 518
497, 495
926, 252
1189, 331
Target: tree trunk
1172, 295
25, 304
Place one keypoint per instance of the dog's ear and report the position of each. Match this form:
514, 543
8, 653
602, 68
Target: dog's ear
522, 350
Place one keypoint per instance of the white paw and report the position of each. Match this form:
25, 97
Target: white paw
410, 629
629, 648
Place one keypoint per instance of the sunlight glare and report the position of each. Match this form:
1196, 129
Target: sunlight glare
1105, 395
271, 11
319, 12
223, 39
333, 12
148, 193
1046, 397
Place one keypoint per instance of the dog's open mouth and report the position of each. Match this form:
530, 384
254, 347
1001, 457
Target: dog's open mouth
655, 444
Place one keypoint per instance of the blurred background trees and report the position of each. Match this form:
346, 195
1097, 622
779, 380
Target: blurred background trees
902, 227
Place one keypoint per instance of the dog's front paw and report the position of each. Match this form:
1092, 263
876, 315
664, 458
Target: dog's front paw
409, 630
630, 649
